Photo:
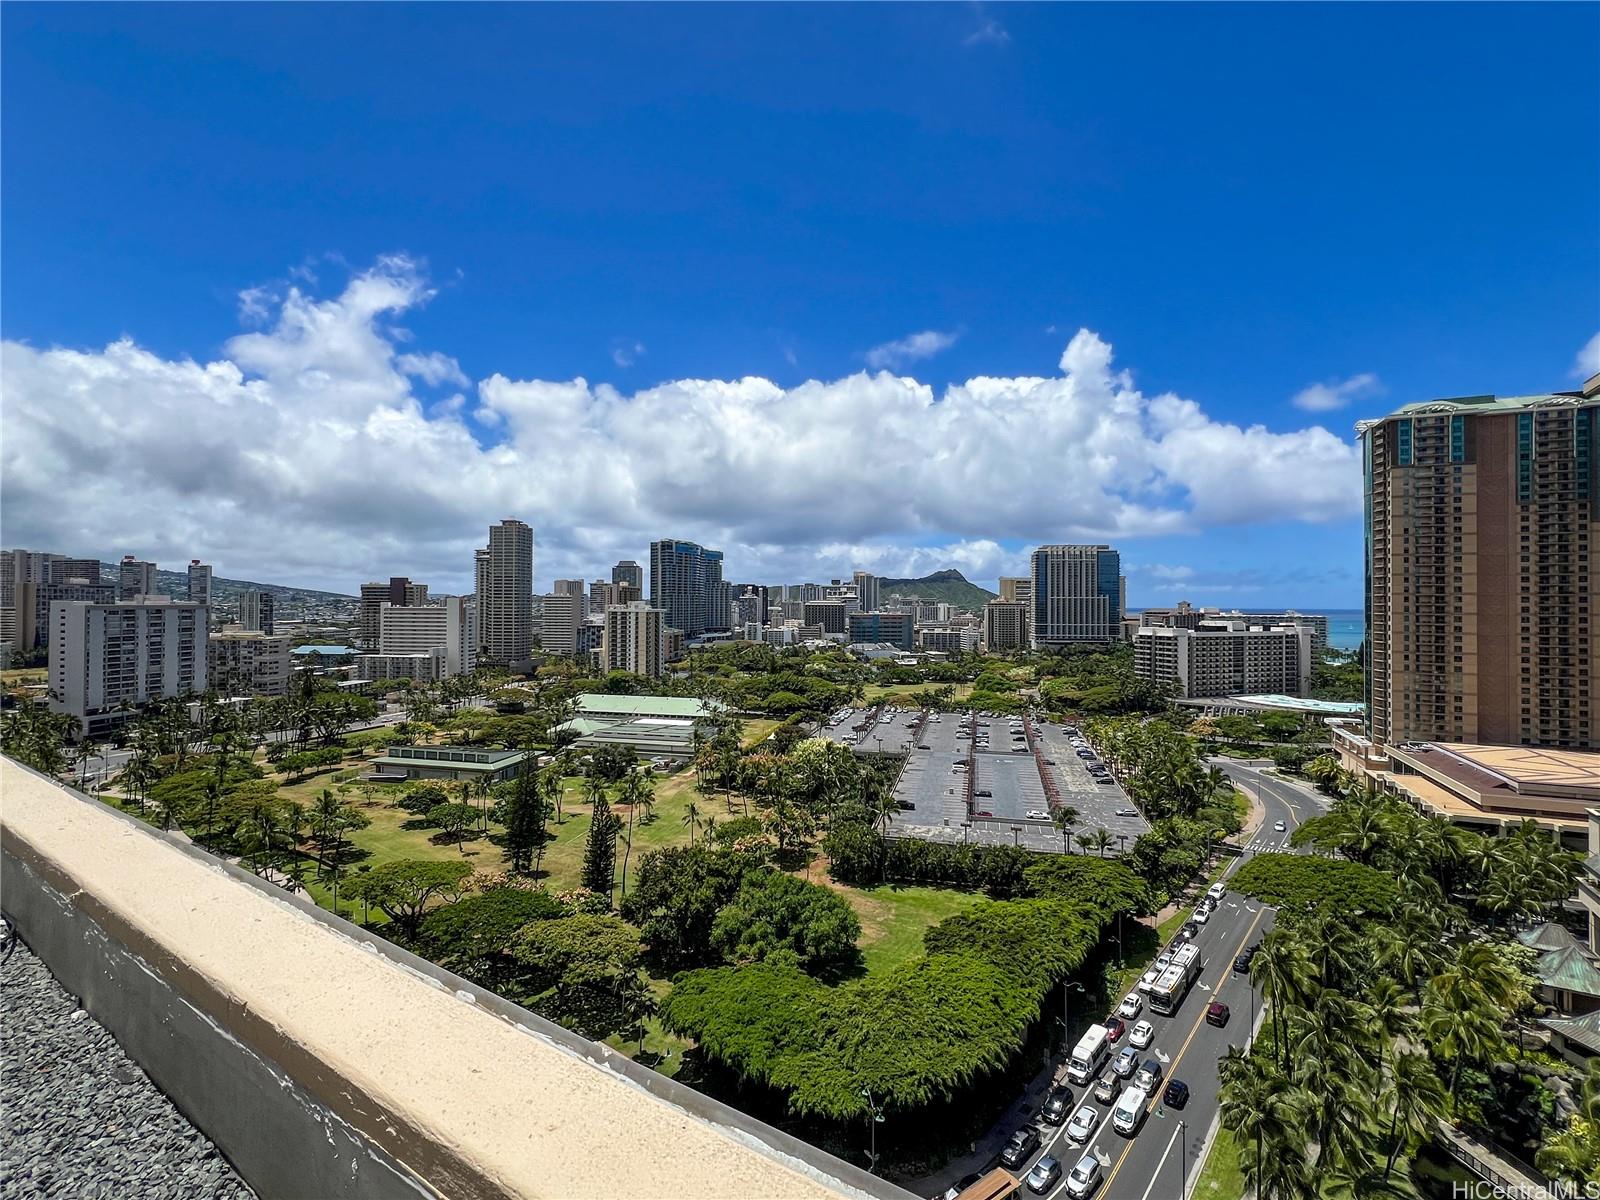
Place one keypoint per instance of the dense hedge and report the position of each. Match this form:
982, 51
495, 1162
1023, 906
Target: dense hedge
1039, 941
1107, 885
1303, 881
858, 854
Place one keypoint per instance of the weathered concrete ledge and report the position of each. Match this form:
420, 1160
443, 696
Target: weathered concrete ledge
326, 1062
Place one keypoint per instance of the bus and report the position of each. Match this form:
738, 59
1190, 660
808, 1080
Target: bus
996, 1185
1088, 1055
1168, 991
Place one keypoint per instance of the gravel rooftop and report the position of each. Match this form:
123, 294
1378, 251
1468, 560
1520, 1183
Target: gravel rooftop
81, 1118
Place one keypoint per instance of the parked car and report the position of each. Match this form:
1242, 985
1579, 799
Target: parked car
985, 793
1115, 1028
1200, 915
1082, 1125
1107, 1090
1126, 1062
1037, 814
1217, 1014
1021, 1144
1132, 1005
1143, 1034
1044, 1174
1084, 1177
1057, 1105
1217, 890
1242, 963
1149, 1075
1104, 779
1189, 931
983, 812
1177, 1094
1127, 812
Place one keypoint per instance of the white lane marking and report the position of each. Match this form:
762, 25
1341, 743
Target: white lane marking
1154, 1178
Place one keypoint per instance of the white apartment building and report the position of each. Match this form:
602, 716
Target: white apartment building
424, 667
103, 656
247, 662
563, 613
632, 640
948, 639
449, 623
1226, 658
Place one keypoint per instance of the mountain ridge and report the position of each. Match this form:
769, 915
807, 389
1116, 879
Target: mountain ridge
948, 586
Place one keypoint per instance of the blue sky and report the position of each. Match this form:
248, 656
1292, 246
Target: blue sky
365, 212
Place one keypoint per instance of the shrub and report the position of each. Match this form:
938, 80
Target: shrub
778, 918
1305, 882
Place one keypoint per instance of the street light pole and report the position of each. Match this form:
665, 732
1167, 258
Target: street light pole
874, 1119
1183, 1160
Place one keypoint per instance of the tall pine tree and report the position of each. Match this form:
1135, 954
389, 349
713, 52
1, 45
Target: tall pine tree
600, 850
527, 810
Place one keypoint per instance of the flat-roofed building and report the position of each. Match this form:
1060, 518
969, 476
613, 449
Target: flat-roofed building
1005, 625
686, 583
1016, 589
1077, 595
1493, 789
1225, 658
895, 628
247, 662
135, 577
449, 623
948, 639
199, 582
562, 613
831, 615
660, 726
447, 762
1482, 521
258, 611
105, 656
504, 573
632, 640
423, 666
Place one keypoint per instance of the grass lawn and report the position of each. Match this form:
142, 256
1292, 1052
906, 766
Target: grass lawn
882, 691
758, 729
893, 919
25, 675
1220, 1178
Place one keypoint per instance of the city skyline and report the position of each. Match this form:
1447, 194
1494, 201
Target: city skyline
798, 375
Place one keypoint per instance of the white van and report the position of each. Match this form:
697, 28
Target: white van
1129, 1112
1088, 1055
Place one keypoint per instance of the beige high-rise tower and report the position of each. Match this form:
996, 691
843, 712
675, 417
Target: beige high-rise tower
1481, 570
504, 576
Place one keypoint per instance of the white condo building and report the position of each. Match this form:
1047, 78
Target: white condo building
1226, 658
632, 640
563, 612
103, 656
449, 623
247, 662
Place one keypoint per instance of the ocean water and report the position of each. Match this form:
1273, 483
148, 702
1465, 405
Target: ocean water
1346, 628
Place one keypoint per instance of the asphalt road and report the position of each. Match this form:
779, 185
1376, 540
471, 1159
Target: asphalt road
1166, 1152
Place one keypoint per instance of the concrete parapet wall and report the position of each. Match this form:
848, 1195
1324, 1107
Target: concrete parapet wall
326, 1062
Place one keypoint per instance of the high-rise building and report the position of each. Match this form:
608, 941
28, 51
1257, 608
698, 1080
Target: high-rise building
1482, 570
632, 640
22, 574
199, 582
62, 570
450, 622
77, 591
1016, 589
1077, 595
398, 591
686, 583
562, 614
1005, 625
135, 578
1225, 658
869, 591
102, 655
1318, 623
256, 611
247, 662
831, 615
630, 572
505, 596
891, 628
763, 596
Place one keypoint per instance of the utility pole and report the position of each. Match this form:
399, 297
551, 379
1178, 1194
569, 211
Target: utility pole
875, 1118
1183, 1160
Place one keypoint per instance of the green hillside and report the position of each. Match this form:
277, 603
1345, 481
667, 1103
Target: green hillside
948, 587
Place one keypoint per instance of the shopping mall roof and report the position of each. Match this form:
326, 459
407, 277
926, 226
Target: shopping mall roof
603, 704
1330, 708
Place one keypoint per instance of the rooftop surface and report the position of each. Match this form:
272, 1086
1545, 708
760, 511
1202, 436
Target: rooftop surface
1478, 404
328, 650
1527, 768
81, 1118
602, 704
1333, 708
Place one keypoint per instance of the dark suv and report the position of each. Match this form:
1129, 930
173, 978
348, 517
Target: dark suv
1021, 1144
1177, 1094
1057, 1105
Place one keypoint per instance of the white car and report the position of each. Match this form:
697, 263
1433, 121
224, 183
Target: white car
1132, 1005
1280, 827
1217, 891
1201, 915
1143, 1034
1083, 1123
1084, 1178
1035, 814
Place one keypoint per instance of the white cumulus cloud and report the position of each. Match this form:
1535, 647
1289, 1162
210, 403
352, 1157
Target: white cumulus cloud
1336, 393
1588, 361
304, 454
912, 348
433, 369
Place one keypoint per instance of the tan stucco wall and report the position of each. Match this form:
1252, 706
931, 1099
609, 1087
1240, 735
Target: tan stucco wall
466, 1099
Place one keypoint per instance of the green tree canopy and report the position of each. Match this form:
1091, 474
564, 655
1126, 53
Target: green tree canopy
777, 918
1305, 882
404, 888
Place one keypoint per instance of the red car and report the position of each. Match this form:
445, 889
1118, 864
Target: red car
1115, 1029
1217, 1014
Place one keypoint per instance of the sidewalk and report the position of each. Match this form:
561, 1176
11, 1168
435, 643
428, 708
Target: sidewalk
985, 1152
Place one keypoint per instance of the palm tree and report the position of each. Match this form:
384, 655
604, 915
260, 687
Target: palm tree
1100, 840
554, 787
1065, 818
1283, 970
1458, 1027
1264, 1111
1362, 1179
1389, 1008
691, 820
1417, 1099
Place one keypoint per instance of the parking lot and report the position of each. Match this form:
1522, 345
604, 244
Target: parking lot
892, 732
